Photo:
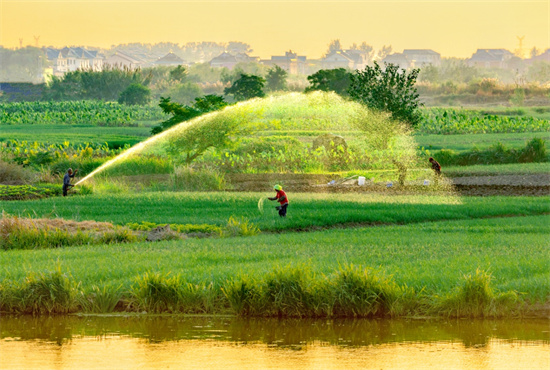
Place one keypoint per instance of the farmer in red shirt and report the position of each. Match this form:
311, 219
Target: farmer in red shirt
282, 199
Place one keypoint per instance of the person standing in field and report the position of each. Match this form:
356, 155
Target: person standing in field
67, 180
436, 167
282, 199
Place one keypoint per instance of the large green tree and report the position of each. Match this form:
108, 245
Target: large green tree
246, 87
276, 79
388, 89
337, 80
181, 113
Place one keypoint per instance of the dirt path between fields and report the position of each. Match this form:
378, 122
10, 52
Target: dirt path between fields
513, 185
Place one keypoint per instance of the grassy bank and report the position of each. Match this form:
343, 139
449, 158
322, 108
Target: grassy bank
465, 268
305, 210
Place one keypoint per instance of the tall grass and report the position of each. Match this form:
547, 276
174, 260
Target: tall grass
283, 292
475, 297
41, 293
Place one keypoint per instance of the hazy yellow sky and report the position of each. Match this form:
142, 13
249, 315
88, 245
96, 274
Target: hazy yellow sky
450, 27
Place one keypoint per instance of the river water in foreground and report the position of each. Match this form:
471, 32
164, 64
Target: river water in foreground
171, 342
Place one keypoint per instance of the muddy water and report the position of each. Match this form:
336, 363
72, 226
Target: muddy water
131, 342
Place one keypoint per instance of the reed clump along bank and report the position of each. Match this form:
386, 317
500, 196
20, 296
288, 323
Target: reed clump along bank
350, 291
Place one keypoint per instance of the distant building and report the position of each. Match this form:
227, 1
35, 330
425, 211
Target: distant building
290, 62
544, 57
71, 59
229, 60
490, 58
337, 59
422, 57
398, 59
359, 58
170, 59
351, 58
123, 61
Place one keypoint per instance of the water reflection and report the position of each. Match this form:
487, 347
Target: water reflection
130, 342
273, 332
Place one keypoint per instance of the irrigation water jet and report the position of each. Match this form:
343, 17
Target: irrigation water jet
147, 143
390, 141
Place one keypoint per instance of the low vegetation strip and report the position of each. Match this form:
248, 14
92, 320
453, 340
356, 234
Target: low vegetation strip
99, 113
471, 268
305, 210
463, 121
18, 192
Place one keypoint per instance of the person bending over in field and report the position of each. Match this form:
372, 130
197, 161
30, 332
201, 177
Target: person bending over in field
67, 180
437, 169
282, 199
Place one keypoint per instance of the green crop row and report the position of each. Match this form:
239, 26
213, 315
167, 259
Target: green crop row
185, 229
18, 192
77, 112
464, 121
305, 210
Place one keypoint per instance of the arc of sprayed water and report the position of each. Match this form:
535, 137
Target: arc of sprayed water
180, 126
142, 145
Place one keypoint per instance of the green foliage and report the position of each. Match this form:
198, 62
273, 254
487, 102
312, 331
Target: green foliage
106, 84
337, 80
179, 73
388, 90
135, 94
246, 87
181, 113
76, 112
220, 131
276, 79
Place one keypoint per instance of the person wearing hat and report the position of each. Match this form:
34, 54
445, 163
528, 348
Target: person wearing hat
67, 180
282, 199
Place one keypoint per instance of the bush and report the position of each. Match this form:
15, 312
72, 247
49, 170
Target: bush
240, 227
14, 174
47, 293
474, 297
388, 90
534, 151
